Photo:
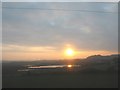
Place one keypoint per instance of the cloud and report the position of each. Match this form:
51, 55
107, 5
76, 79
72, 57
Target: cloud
85, 30
18, 48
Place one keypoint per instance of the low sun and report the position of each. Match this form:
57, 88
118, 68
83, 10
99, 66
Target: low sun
69, 52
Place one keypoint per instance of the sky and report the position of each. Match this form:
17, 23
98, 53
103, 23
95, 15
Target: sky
43, 30
60, 0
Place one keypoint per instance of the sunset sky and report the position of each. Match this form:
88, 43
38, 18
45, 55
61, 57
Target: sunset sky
44, 30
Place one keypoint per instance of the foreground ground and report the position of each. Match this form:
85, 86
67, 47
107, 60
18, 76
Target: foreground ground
86, 80
89, 79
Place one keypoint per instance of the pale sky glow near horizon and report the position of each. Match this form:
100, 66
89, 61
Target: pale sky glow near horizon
44, 30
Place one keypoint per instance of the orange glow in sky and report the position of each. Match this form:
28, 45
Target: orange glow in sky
69, 52
13, 52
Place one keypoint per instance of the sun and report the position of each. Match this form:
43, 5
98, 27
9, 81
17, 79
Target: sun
69, 52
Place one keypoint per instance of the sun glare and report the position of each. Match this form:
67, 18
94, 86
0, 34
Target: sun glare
69, 66
69, 52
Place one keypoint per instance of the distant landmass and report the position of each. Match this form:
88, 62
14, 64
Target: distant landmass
100, 63
94, 71
94, 62
100, 57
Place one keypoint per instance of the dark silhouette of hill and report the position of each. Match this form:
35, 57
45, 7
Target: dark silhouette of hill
94, 62
95, 71
100, 57
100, 63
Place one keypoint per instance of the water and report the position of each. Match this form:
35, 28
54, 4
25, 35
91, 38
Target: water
29, 68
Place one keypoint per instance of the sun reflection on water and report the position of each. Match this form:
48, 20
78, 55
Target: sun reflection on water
69, 66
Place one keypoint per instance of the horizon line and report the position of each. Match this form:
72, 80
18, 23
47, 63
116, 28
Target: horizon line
57, 59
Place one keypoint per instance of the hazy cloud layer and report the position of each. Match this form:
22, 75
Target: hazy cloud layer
52, 28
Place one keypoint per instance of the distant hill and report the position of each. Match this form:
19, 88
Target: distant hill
102, 63
100, 57
91, 63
